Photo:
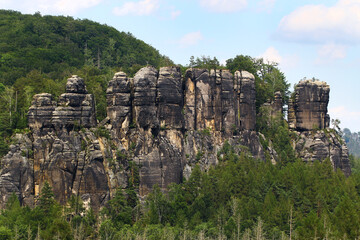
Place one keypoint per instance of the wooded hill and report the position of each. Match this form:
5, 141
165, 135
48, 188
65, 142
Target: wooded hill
38, 53
240, 198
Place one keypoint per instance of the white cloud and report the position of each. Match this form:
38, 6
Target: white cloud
272, 55
330, 52
66, 7
266, 5
318, 23
175, 14
140, 8
190, 39
223, 6
349, 119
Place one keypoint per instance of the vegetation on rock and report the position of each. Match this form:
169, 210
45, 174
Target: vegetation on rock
240, 198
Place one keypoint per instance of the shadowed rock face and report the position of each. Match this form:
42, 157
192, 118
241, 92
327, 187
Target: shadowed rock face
119, 103
41, 111
308, 116
74, 108
246, 96
69, 159
310, 105
159, 126
219, 101
319, 145
180, 121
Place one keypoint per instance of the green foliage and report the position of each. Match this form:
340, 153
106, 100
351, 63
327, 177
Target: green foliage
121, 156
157, 207
204, 62
239, 198
101, 131
205, 132
268, 78
133, 176
355, 164
46, 200
118, 211
199, 155
56, 44
276, 130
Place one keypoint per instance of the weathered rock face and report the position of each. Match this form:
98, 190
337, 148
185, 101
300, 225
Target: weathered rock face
218, 101
41, 111
72, 161
310, 105
246, 110
321, 144
16, 172
181, 122
291, 114
159, 126
75, 107
308, 116
119, 103
170, 98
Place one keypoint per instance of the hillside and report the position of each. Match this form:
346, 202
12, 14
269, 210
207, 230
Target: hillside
95, 147
56, 45
38, 53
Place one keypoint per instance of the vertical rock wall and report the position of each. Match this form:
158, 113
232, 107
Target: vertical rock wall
308, 116
119, 103
180, 121
310, 105
71, 160
160, 125
246, 97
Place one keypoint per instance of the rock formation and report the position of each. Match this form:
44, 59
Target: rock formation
159, 125
72, 161
308, 116
322, 144
176, 122
309, 105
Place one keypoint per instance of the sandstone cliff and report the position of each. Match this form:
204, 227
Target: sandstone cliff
308, 116
159, 126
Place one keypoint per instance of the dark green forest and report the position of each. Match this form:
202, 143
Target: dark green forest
241, 198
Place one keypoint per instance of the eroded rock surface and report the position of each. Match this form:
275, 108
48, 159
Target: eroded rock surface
309, 106
159, 126
321, 144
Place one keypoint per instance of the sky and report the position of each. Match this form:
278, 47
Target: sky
317, 38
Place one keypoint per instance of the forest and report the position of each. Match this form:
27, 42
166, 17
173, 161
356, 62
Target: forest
241, 198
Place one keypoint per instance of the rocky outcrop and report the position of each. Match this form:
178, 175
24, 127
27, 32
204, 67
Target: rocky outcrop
308, 116
72, 161
179, 122
246, 110
323, 144
309, 106
119, 104
17, 172
75, 108
159, 126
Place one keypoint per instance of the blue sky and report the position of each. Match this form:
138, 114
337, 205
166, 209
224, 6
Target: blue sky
318, 38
